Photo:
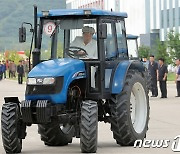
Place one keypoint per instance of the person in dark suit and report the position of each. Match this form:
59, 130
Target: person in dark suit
153, 69
162, 77
1, 71
177, 79
20, 71
4, 68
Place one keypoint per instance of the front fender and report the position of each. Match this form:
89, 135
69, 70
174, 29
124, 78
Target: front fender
70, 69
121, 72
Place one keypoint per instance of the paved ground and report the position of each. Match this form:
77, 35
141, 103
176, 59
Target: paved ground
164, 124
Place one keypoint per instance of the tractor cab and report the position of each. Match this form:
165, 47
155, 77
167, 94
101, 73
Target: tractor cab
89, 37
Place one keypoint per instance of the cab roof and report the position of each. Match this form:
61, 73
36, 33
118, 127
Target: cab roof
80, 12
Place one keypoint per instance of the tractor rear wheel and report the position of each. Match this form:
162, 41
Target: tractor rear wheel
54, 134
89, 127
10, 125
130, 110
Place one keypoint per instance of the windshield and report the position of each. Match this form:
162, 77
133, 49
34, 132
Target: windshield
75, 38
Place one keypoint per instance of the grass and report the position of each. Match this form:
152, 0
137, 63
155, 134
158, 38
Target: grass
171, 76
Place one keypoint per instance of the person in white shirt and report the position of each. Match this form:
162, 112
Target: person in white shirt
86, 42
177, 79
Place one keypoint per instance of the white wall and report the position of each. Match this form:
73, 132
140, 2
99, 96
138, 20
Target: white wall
135, 23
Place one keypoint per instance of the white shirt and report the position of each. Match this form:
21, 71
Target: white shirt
91, 47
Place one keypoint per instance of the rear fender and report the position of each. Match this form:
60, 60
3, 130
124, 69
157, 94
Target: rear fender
121, 72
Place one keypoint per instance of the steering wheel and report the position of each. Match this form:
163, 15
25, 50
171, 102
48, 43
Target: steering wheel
73, 52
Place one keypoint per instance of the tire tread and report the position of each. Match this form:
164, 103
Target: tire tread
52, 134
89, 124
11, 142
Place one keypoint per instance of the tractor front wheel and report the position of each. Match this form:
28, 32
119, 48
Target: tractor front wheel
10, 125
89, 127
130, 110
55, 134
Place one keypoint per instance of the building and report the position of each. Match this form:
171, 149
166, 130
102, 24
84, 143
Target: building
98, 4
161, 17
116, 5
148, 19
168, 13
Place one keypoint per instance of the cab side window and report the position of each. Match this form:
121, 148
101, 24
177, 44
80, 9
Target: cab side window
110, 42
121, 39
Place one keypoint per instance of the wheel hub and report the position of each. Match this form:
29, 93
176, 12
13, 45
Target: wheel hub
138, 107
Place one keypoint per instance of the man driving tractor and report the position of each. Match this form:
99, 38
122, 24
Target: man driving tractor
86, 42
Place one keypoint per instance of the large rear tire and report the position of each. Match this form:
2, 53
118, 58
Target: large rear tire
54, 134
10, 126
89, 127
130, 110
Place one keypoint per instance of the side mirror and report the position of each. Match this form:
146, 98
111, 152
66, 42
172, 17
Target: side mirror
22, 34
103, 31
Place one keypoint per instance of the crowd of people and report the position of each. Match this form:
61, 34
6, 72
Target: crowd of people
158, 72
8, 69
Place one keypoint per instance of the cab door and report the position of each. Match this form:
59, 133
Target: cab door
115, 46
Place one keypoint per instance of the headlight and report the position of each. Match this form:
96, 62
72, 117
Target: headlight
49, 81
31, 81
41, 81
49, 88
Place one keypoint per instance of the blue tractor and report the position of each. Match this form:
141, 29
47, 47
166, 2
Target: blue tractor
69, 89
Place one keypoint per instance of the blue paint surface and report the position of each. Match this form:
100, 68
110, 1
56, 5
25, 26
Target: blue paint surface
70, 12
66, 67
119, 76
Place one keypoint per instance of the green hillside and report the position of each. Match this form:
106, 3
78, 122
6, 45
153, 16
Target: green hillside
13, 13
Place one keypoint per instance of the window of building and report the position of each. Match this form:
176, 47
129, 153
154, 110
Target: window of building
168, 19
162, 19
179, 16
173, 17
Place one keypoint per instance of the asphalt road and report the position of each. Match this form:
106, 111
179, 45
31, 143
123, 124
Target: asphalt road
164, 124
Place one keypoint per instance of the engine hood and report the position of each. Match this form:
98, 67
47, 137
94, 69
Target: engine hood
57, 67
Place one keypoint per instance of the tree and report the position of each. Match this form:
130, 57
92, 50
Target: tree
46, 54
160, 49
13, 56
173, 41
27, 53
60, 50
2, 57
144, 51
